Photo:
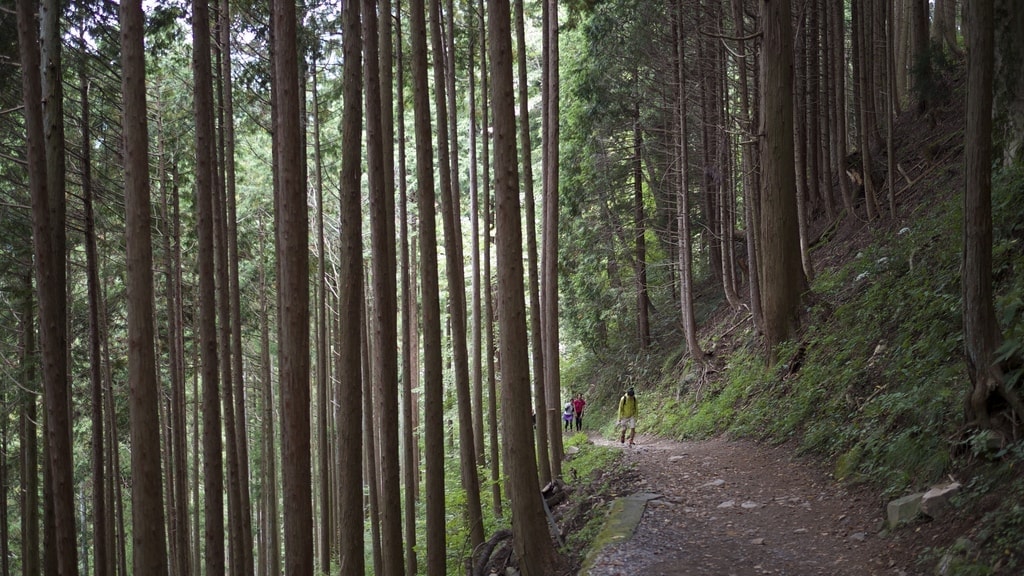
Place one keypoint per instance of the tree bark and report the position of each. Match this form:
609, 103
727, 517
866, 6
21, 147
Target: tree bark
41, 89
234, 336
29, 440
293, 326
540, 409
982, 335
213, 475
350, 475
149, 547
410, 469
431, 307
99, 503
549, 278
385, 309
640, 232
532, 542
683, 194
783, 277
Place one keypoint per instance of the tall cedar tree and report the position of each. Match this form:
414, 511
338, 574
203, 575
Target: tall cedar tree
532, 542
350, 474
456, 288
683, 202
237, 382
293, 326
213, 473
540, 408
99, 502
549, 277
409, 459
149, 547
783, 278
45, 139
431, 306
981, 328
385, 309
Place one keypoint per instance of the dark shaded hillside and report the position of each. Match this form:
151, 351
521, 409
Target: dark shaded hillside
875, 383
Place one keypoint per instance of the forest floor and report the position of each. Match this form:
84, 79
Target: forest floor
735, 507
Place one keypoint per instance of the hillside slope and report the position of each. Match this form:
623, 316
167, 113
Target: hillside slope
874, 385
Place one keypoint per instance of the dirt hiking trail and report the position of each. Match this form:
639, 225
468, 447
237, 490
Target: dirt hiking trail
726, 507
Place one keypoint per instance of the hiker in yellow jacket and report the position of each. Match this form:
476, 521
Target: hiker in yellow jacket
627, 415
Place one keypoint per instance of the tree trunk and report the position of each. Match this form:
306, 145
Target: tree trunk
800, 141
492, 403
838, 70
45, 161
982, 335
350, 475
549, 278
293, 326
223, 306
385, 308
235, 317
410, 469
269, 484
683, 194
920, 59
99, 503
536, 341
149, 547
532, 543
783, 278
432, 361
944, 26
456, 288
29, 440
865, 110
476, 352
213, 475
640, 232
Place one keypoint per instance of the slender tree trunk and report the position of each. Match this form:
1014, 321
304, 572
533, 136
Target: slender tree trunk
640, 233
890, 109
410, 469
29, 440
223, 306
385, 306
5, 539
45, 156
350, 475
536, 341
533, 545
920, 59
149, 547
865, 107
456, 291
371, 478
213, 475
325, 523
99, 504
683, 202
234, 300
433, 377
269, 484
838, 70
800, 141
549, 288
476, 352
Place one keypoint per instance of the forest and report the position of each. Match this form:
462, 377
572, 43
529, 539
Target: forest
301, 287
